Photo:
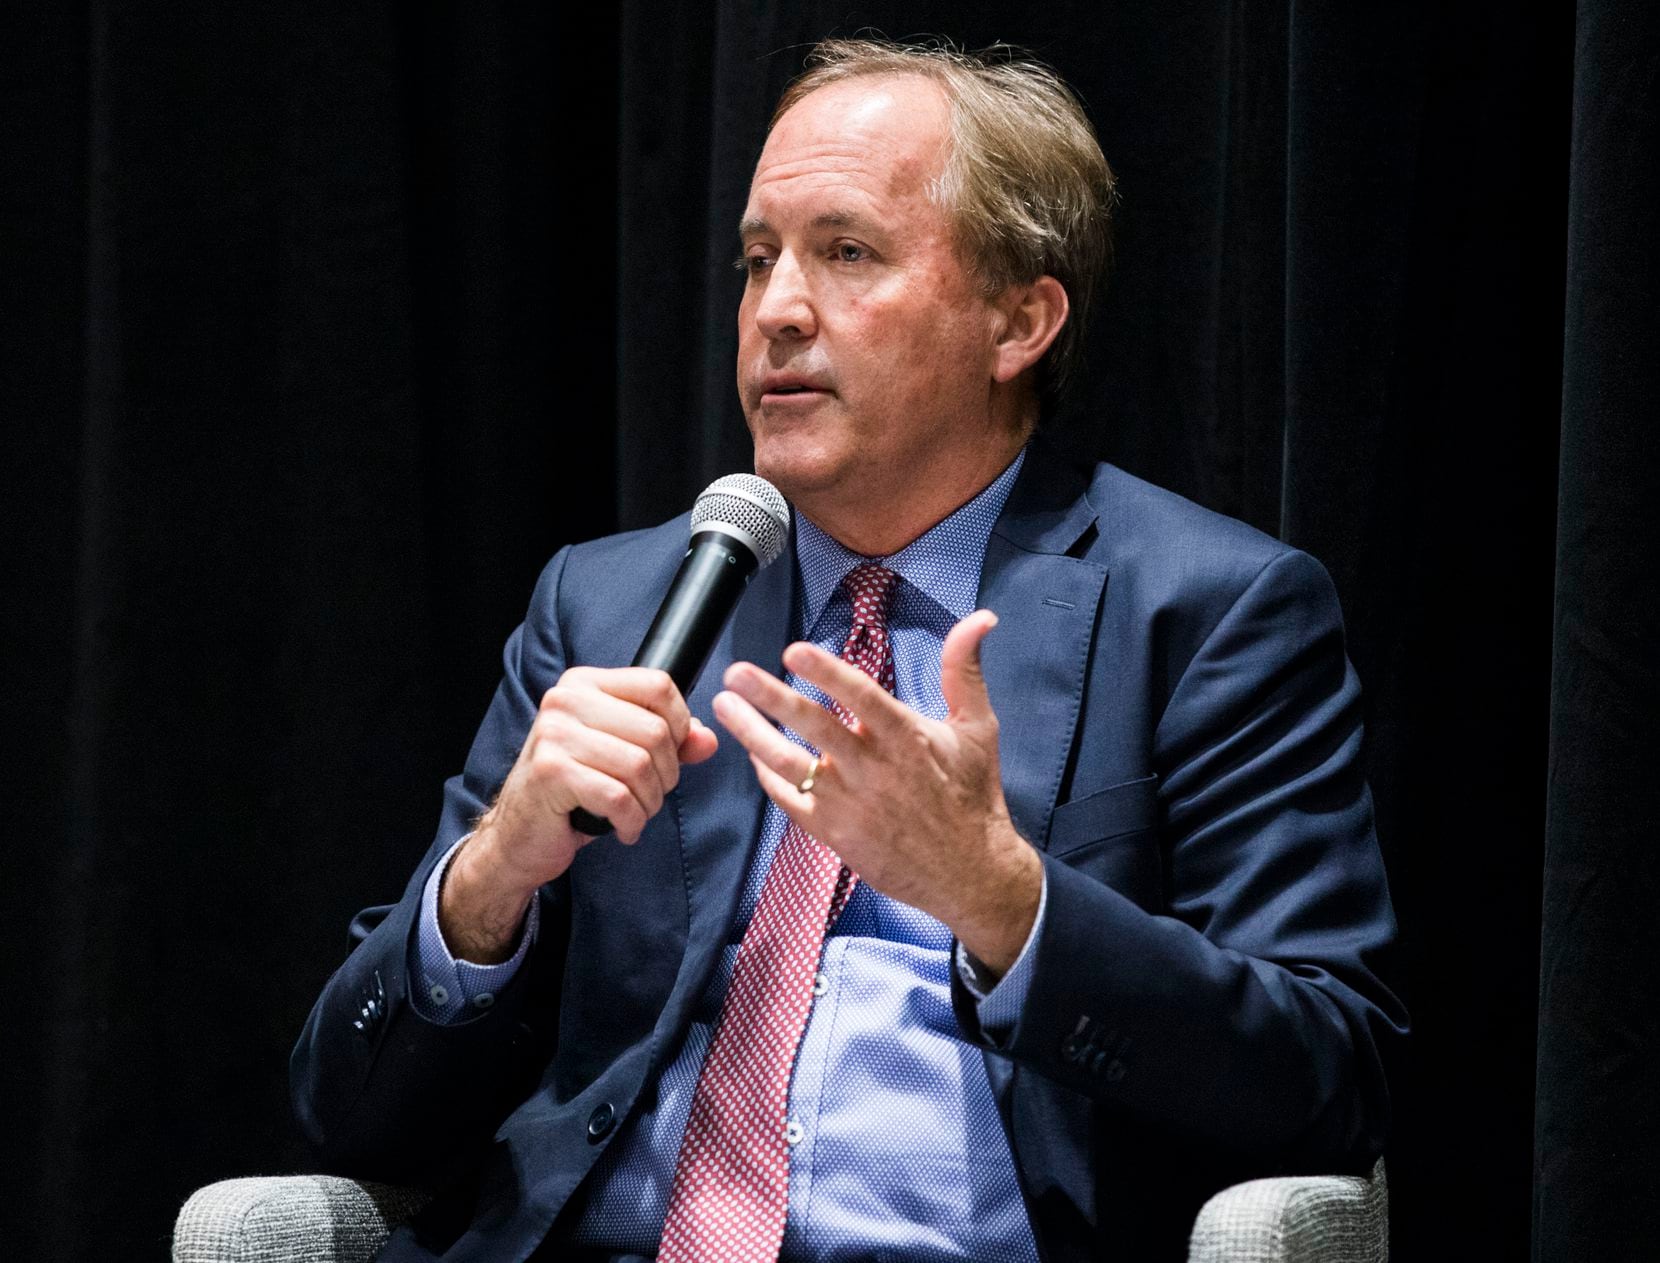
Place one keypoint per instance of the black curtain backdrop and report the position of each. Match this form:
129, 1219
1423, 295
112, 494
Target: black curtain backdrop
322, 326
1596, 1191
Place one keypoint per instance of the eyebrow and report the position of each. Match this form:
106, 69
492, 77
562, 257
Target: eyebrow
748, 227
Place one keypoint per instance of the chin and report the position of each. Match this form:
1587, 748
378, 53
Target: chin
796, 472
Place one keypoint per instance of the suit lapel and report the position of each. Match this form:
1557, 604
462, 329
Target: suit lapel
718, 803
1035, 661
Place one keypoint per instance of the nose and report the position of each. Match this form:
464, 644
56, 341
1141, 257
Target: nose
784, 311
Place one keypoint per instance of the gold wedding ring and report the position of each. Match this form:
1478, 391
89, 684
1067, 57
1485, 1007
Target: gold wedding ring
805, 785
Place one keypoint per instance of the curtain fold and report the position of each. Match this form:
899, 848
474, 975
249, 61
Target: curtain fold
1596, 1191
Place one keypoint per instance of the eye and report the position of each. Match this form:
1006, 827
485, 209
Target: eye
753, 264
849, 252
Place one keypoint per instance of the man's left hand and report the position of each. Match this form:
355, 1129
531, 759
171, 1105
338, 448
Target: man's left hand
913, 805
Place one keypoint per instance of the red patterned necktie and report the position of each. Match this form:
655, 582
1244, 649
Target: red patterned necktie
732, 1179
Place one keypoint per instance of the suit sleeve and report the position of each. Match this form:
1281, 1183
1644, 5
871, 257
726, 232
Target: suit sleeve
381, 1091
1250, 1012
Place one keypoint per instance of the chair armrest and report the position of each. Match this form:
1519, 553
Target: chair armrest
290, 1219
1296, 1219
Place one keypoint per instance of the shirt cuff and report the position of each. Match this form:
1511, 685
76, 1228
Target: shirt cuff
446, 990
998, 1001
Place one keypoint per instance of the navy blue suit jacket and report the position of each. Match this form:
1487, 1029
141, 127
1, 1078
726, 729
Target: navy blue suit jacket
1181, 738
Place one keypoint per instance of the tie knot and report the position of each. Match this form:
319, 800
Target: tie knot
870, 587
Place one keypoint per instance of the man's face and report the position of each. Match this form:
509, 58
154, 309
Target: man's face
864, 343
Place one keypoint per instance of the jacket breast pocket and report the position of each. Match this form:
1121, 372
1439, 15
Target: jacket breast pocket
1112, 835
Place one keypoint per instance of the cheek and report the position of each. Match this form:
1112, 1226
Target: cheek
934, 357
938, 317
746, 315
897, 341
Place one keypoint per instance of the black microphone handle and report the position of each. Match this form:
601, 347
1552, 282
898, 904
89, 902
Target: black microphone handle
704, 593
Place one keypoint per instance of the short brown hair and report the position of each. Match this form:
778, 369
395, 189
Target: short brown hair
1026, 185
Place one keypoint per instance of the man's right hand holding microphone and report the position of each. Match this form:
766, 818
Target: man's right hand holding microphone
610, 741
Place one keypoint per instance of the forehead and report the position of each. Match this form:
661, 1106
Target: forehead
881, 137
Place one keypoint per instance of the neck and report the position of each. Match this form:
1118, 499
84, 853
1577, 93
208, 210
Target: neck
880, 530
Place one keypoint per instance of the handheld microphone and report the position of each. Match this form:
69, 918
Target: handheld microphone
739, 524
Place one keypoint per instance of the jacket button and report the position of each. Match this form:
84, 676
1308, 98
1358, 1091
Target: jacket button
600, 1123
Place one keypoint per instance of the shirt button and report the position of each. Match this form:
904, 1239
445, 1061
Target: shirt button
821, 984
599, 1122
483, 1000
793, 1133
440, 994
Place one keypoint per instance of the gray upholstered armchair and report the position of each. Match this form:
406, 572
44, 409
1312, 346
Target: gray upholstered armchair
325, 1219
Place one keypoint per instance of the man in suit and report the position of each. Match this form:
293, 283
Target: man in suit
1045, 907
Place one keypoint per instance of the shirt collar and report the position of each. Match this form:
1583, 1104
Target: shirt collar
943, 562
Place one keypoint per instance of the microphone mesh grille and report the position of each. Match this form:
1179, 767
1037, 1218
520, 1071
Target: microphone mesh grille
749, 504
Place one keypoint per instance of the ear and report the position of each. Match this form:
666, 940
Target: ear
1032, 316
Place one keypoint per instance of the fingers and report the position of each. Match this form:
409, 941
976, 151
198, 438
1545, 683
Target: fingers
633, 766
618, 779
643, 686
565, 711
821, 728
700, 743
614, 740
791, 801
877, 709
765, 744
611, 797
961, 678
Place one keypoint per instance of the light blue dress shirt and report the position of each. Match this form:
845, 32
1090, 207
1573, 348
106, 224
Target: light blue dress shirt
896, 1149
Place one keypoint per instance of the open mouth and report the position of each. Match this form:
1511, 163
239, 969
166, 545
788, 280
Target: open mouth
795, 392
